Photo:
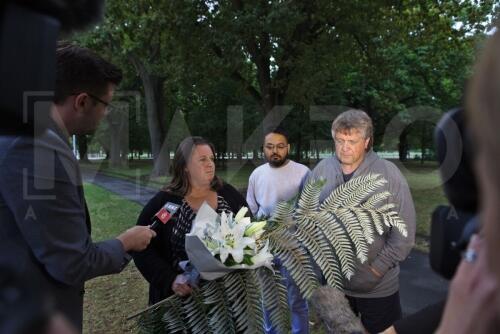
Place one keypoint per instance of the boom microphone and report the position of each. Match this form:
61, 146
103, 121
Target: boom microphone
333, 309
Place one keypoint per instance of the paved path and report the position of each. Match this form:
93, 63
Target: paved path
420, 286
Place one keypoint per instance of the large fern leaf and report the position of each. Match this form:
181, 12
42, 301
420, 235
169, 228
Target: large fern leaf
282, 214
308, 202
196, 311
339, 239
219, 315
315, 242
353, 192
244, 297
275, 298
355, 232
365, 223
285, 246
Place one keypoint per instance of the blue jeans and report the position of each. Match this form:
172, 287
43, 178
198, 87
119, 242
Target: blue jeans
298, 306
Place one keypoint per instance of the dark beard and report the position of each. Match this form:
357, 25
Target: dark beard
278, 163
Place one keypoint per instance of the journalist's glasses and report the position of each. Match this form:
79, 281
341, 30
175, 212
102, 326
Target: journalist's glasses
107, 105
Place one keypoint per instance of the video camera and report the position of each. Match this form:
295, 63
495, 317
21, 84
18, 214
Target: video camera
452, 226
28, 36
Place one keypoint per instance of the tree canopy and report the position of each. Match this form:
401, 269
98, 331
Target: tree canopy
198, 62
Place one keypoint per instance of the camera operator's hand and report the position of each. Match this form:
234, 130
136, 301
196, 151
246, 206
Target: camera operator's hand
136, 238
469, 308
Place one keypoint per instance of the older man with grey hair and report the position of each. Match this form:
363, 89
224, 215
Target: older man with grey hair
373, 291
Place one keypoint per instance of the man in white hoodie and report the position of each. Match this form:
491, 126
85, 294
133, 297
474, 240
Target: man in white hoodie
280, 179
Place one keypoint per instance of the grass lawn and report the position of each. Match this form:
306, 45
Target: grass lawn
110, 299
426, 190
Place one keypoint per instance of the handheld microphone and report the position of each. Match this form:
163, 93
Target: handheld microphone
164, 214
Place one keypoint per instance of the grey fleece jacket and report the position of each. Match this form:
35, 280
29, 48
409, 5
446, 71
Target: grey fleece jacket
387, 250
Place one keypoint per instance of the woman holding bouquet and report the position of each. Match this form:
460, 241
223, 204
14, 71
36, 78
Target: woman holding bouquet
193, 183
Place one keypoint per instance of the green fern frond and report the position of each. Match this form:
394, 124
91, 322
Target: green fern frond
244, 297
337, 237
315, 242
296, 260
219, 314
374, 200
196, 311
355, 231
254, 314
353, 192
234, 284
151, 322
377, 220
173, 319
365, 223
274, 297
386, 207
395, 221
309, 197
283, 213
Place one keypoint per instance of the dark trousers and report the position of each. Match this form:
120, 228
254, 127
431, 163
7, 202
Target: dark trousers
377, 314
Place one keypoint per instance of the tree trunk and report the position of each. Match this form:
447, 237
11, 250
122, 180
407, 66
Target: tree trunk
153, 91
298, 146
82, 145
422, 143
118, 132
403, 146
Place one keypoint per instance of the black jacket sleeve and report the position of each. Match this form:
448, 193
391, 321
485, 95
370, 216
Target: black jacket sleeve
155, 262
234, 198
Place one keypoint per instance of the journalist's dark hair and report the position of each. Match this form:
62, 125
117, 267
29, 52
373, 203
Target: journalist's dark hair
81, 70
278, 130
179, 185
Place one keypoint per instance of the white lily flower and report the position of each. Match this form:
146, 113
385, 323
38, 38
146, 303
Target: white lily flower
243, 211
255, 229
226, 234
263, 257
232, 239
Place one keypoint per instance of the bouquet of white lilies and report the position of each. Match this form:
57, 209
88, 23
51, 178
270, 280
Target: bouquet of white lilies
218, 245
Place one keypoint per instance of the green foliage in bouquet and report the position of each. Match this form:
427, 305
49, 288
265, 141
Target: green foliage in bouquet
307, 236
231, 304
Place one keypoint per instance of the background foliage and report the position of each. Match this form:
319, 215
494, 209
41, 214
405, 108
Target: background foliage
193, 60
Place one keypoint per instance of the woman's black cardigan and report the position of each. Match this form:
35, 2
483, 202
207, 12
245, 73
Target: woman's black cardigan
156, 263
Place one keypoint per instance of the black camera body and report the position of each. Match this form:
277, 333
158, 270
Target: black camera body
29, 30
452, 226
451, 231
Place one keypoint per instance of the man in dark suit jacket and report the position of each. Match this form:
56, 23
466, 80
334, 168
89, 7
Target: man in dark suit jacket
43, 213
